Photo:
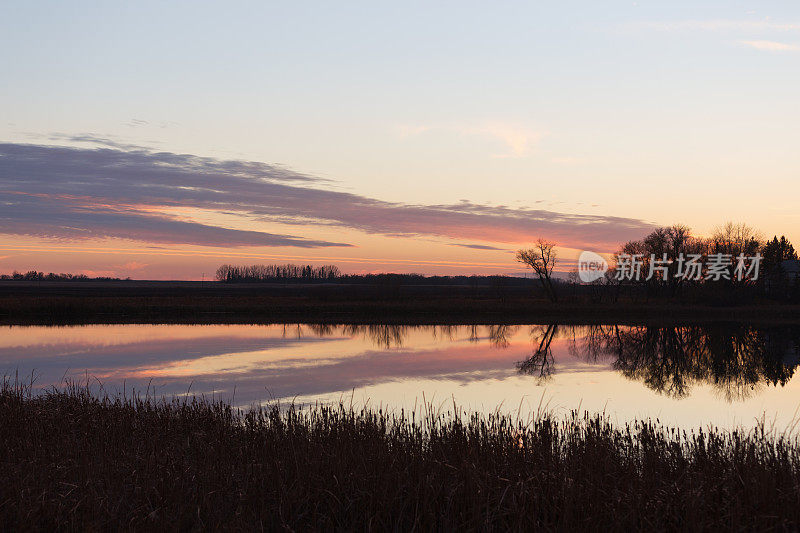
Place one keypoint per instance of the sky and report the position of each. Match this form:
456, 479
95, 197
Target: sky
158, 140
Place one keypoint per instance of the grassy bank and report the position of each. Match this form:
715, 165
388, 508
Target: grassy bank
175, 302
71, 460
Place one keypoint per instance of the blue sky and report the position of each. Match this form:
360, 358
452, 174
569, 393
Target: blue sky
656, 111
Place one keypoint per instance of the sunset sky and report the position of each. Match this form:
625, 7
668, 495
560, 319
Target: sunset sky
159, 140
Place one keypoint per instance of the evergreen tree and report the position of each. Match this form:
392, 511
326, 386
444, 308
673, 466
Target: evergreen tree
775, 251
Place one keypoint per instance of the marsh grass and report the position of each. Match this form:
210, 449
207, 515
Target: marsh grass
72, 459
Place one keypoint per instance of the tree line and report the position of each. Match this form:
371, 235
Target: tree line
234, 273
730, 239
34, 275
331, 273
670, 246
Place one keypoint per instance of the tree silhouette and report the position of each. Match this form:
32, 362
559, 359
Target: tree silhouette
776, 251
542, 259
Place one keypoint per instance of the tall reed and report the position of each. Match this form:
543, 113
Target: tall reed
72, 459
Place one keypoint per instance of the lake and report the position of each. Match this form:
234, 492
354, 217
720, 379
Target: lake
688, 376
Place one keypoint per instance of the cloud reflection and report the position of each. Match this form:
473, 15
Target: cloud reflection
310, 361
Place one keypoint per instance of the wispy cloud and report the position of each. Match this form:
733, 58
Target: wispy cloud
757, 34
739, 25
477, 246
772, 46
64, 217
71, 193
91, 139
519, 141
132, 265
134, 122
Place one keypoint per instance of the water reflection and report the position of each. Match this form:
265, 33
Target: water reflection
540, 363
736, 359
695, 366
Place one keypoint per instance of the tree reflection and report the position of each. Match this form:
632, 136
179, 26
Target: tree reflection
736, 359
394, 336
382, 335
500, 336
540, 363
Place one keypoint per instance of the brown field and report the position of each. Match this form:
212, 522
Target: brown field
195, 302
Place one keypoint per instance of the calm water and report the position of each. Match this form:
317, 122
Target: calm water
687, 376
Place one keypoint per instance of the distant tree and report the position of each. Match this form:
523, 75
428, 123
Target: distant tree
666, 245
233, 273
776, 251
34, 275
669, 242
735, 238
542, 259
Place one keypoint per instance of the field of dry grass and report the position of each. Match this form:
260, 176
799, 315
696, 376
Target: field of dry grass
73, 460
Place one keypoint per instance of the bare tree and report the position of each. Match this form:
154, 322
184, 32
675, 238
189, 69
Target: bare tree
669, 242
542, 259
736, 238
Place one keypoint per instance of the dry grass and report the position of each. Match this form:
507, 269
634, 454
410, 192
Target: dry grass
73, 460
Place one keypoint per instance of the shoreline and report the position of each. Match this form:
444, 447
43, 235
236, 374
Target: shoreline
191, 303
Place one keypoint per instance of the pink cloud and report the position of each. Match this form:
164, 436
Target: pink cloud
70, 193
